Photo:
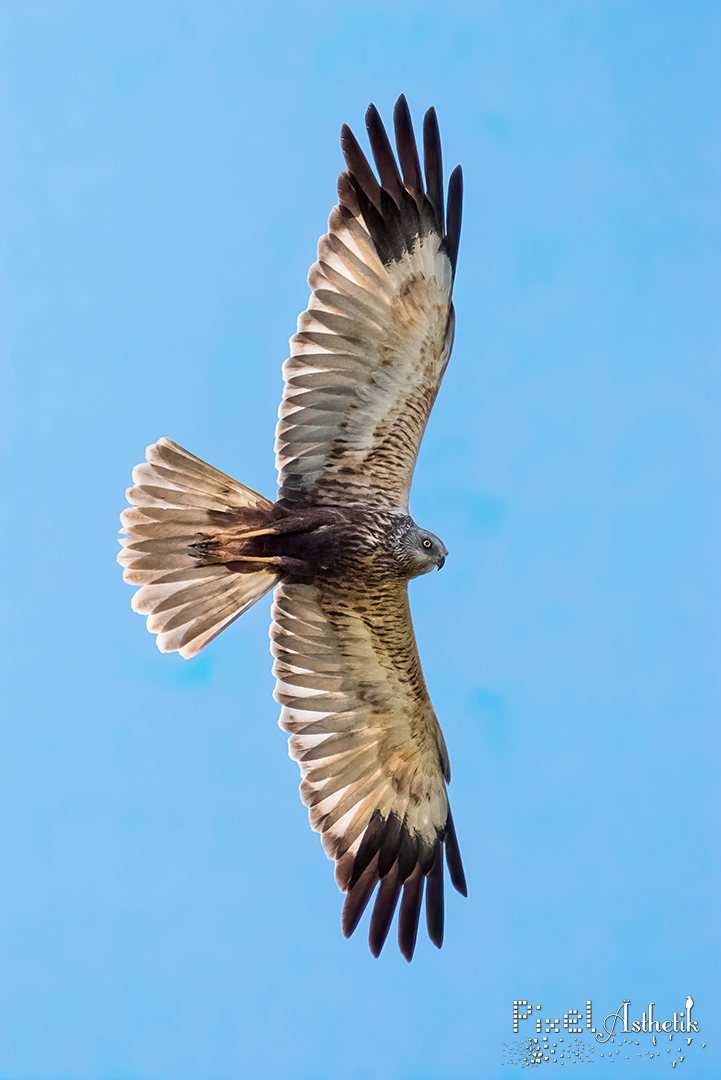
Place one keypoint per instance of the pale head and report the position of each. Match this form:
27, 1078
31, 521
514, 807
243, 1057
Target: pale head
419, 551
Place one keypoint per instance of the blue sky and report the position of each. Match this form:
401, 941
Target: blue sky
165, 911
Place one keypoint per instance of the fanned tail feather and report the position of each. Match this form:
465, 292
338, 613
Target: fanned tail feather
179, 501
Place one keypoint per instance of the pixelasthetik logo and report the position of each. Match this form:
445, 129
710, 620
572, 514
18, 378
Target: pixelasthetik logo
556, 1039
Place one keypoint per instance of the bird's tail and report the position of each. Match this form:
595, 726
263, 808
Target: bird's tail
181, 511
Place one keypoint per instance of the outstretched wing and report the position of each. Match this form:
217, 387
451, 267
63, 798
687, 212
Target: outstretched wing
370, 749
371, 349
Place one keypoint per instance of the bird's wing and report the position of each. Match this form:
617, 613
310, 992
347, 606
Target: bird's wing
371, 349
370, 749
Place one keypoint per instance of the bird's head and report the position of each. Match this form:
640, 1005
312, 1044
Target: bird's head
419, 551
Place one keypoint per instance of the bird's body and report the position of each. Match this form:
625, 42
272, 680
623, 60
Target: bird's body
332, 542
338, 544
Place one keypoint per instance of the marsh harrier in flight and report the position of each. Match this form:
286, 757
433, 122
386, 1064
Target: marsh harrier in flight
338, 545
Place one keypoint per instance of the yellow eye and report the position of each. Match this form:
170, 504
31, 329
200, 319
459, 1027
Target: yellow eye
427, 544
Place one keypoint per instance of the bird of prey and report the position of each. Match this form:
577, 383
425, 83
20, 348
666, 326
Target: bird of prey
338, 545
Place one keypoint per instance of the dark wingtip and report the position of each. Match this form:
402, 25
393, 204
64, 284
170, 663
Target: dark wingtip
407, 204
455, 201
407, 149
433, 166
383, 154
358, 896
434, 900
462, 888
412, 869
383, 911
410, 912
358, 166
453, 858
407, 951
370, 846
372, 115
348, 142
401, 112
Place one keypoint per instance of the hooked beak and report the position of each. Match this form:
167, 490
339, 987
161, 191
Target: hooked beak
441, 563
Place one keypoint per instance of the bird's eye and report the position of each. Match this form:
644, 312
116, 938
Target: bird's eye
427, 544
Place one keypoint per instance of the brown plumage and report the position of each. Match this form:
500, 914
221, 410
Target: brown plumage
364, 370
